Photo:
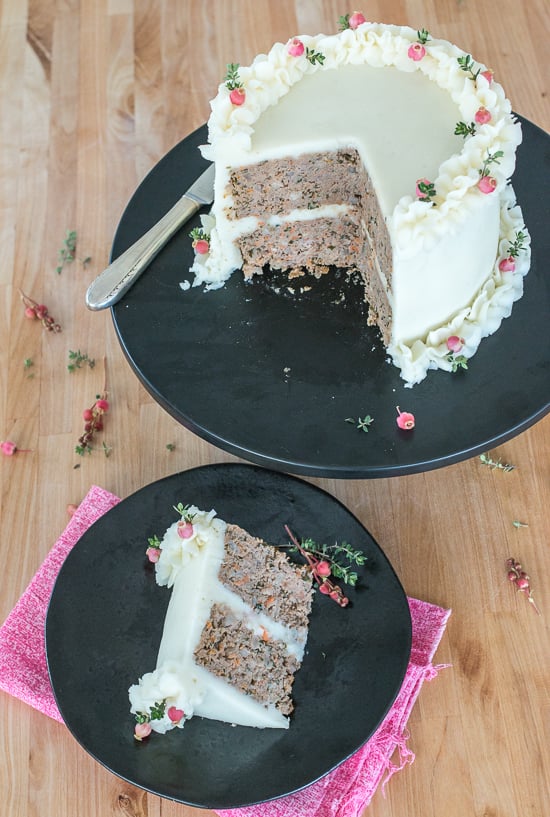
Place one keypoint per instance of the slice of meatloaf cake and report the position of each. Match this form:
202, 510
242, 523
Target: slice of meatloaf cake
235, 629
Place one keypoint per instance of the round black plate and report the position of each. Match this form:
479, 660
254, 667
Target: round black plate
272, 379
105, 621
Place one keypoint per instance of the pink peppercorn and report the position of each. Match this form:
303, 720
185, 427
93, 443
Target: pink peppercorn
416, 52
507, 264
324, 588
237, 96
454, 343
153, 554
201, 246
102, 405
142, 730
405, 419
295, 47
185, 530
8, 448
356, 19
487, 184
175, 714
482, 116
488, 74
323, 569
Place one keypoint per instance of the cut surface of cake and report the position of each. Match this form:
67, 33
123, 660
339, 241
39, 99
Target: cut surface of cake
235, 629
381, 150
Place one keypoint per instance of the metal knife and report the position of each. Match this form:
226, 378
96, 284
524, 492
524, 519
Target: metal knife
113, 282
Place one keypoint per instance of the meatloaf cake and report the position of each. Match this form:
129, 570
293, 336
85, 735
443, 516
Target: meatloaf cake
381, 150
235, 629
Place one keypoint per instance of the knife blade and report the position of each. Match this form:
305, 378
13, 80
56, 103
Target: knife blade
111, 284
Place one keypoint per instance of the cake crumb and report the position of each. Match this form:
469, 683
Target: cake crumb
185, 285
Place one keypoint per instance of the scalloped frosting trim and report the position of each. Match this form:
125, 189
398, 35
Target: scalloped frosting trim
415, 224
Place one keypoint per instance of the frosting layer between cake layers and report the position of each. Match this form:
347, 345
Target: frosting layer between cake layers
191, 568
400, 115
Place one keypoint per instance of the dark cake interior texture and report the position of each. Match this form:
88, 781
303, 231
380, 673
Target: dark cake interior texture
256, 663
355, 240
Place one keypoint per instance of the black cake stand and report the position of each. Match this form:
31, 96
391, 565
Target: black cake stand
273, 376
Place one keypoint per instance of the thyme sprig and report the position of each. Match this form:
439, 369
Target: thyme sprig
457, 361
184, 512
333, 554
427, 189
467, 64
516, 246
77, 359
326, 561
199, 234
314, 56
485, 459
361, 424
67, 253
462, 129
492, 158
231, 79
157, 712
423, 36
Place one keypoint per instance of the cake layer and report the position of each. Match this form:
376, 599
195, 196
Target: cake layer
266, 581
291, 183
257, 664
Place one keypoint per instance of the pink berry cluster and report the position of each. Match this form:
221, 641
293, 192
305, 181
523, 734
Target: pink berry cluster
324, 566
322, 571
93, 422
519, 577
36, 311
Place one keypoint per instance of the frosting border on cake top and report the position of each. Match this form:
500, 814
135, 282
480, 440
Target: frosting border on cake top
414, 224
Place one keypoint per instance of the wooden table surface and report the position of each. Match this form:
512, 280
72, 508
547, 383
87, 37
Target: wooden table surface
92, 95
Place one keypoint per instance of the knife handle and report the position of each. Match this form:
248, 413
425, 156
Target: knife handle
118, 277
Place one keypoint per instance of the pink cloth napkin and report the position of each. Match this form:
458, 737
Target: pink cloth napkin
343, 793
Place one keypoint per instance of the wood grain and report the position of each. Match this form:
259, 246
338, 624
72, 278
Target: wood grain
92, 94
